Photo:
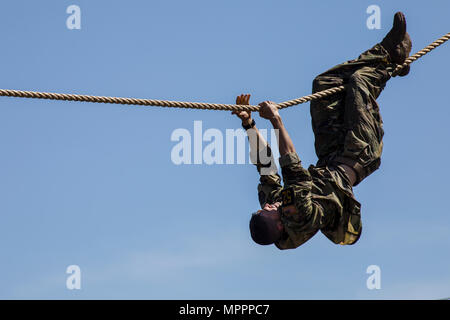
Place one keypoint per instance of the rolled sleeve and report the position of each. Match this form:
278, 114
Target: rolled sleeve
292, 170
269, 189
289, 159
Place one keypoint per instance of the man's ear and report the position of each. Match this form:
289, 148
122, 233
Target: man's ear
280, 226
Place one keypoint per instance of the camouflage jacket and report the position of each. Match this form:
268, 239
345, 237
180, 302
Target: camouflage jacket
320, 198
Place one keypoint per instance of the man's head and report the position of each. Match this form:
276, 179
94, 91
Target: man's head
265, 225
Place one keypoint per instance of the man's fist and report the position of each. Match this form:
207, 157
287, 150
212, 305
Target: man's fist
245, 116
268, 110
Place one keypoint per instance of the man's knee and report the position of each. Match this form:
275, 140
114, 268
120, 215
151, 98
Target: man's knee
322, 82
326, 81
357, 78
370, 77
316, 84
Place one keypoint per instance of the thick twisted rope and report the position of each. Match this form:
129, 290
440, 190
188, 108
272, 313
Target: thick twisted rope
202, 105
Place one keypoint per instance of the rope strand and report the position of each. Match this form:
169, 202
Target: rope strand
202, 105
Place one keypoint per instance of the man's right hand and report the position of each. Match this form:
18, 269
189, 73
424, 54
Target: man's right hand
245, 116
268, 110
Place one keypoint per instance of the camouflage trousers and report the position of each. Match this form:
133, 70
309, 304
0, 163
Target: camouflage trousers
347, 126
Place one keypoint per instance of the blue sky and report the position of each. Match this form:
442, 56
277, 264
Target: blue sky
94, 185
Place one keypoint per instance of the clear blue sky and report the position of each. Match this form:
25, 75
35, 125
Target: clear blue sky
94, 185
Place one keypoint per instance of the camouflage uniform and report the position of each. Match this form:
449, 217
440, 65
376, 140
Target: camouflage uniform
348, 130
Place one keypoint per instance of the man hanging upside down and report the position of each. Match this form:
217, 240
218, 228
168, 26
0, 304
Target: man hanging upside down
348, 133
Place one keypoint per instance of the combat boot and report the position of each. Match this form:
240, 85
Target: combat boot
398, 42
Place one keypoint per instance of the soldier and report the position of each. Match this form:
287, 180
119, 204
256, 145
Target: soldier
348, 133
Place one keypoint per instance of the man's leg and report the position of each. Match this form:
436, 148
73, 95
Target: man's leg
362, 121
348, 126
328, 114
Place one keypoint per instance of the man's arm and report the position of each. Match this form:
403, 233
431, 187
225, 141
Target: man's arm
260, 151
293, 172
269, 186
269, 110
297, 180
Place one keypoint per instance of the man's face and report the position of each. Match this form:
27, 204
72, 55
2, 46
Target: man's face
271, 211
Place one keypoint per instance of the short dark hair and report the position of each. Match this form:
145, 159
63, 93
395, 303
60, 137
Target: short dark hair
263, 230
